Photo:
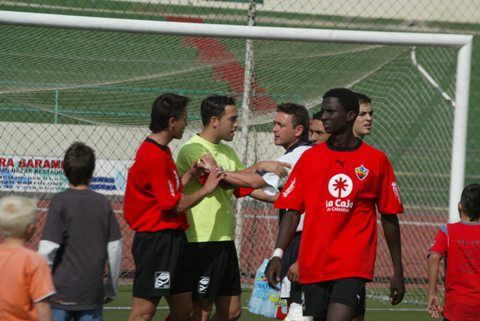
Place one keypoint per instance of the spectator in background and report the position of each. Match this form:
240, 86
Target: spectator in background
80, 234
25, 279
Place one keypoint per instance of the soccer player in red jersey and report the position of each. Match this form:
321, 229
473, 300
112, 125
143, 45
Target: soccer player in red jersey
154, 206
459, 244
340, 184
363, 123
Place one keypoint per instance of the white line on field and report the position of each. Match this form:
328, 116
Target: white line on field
246, 308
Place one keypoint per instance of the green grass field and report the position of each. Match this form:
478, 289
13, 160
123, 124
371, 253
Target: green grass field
376, 311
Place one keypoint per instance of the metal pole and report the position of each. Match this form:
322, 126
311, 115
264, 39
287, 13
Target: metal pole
460, 125
232, 31
57, 106
247, 87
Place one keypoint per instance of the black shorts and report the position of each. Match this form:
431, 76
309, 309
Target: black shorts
215, 271
289, 257
162, 264
348, 291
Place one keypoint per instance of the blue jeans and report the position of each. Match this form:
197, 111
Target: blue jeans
82, 315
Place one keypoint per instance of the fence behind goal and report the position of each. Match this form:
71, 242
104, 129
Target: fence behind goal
58, 86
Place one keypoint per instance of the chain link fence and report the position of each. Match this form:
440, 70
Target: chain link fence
58, 86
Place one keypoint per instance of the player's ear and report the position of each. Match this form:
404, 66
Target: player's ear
460, 207
214, 121
171, 122
299, 130
351, 115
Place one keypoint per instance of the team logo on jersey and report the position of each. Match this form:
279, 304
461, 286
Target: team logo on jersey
340, 186
162, 280
362, 172
342, 163
289, 188
396, 192
203, 284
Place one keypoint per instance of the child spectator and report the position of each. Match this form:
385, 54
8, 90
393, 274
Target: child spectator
80, 233
459, 243
25, 280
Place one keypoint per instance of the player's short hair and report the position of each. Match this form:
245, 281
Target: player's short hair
363, 99
347, 98
79, 164
165, 107
214, 106
299, 116
470, 201
317, 115
16, 214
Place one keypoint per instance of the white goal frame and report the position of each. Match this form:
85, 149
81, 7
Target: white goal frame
461, 42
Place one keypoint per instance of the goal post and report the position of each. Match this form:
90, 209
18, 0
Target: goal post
103, 99
463, 42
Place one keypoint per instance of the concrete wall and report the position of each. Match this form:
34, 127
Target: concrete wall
421, 10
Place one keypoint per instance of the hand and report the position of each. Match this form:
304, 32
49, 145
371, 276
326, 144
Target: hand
397, 289
196, 170
292, 273
278, 168
207, 162
433, 307
214, 177
272, 272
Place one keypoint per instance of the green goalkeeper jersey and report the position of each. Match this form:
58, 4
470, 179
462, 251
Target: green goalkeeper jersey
212, 219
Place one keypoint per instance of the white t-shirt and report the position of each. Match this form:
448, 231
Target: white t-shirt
275, 182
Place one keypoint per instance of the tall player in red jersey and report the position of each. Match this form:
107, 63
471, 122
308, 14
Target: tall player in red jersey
459, 243
340, 184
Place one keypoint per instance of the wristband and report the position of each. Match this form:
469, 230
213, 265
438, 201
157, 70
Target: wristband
278, 252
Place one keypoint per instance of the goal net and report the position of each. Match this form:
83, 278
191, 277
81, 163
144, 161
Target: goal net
62, 85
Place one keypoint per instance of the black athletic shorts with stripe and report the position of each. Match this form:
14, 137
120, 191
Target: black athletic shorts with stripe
215, 270
163, 264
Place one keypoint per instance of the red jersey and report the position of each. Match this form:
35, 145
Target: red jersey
339, 189
153, 188
460, 244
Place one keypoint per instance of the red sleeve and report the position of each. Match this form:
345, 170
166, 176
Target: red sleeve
239, 192
291, 196
242, 191
440, 244
389, 201
166, 183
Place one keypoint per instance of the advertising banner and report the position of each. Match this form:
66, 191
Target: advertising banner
45, 175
